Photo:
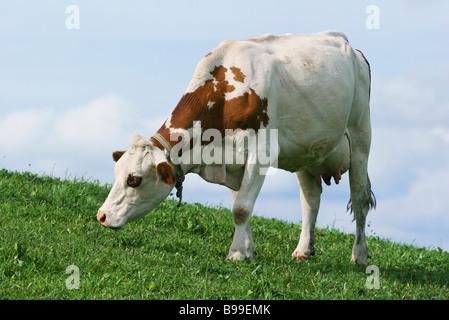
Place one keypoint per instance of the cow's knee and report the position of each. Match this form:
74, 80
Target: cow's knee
241, 214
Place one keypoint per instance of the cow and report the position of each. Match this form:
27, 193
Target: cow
312, 90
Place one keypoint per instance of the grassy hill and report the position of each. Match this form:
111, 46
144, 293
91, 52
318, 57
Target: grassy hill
47, 225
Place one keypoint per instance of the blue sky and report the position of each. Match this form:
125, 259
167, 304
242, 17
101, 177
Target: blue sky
68, 98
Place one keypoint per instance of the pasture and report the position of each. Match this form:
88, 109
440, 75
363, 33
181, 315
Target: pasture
48, 225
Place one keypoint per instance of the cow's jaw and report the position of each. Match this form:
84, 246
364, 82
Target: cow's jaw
116, 220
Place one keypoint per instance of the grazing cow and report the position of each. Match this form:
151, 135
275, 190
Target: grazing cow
311, 90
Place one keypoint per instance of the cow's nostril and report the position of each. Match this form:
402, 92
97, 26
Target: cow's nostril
101, 217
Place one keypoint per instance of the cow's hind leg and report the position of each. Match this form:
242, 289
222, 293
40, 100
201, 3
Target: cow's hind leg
362, 198
310, 203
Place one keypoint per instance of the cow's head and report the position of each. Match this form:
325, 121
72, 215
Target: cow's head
143, 179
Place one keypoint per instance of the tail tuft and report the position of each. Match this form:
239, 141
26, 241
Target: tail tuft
370, 199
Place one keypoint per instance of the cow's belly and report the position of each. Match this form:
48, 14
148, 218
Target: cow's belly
311, 121
318, 160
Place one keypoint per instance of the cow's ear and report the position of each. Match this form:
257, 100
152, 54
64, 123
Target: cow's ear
116, 155
166, 172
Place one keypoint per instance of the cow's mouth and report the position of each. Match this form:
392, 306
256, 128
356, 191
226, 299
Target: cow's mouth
102, 218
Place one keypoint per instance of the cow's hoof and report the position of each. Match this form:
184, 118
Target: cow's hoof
359, 260
236, 255
299, 254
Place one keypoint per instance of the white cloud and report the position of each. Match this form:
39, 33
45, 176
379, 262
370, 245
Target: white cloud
441, 133
96, 124
420, 215
75, 142
22, 128
410, 119
398, 155
415, 98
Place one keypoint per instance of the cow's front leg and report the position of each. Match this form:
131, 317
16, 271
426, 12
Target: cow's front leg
243, 202
242, 245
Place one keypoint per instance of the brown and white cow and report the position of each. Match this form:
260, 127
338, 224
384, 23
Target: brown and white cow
311, 90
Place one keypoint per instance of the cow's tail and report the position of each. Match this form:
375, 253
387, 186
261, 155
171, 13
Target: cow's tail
371, 200
369, 197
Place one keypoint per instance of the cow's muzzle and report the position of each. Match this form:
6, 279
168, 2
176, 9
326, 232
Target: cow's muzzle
102, 218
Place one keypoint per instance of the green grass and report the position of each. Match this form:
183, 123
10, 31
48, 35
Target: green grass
48, 224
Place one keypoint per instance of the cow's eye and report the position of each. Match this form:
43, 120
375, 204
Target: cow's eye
134, 181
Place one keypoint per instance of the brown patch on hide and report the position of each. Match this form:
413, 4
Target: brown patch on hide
116, 155
208, 105
166, 172
246, 112
238, 74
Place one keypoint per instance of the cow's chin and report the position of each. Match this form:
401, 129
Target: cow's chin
134, 216
116, 218
115, 227
137, 216
117, 222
